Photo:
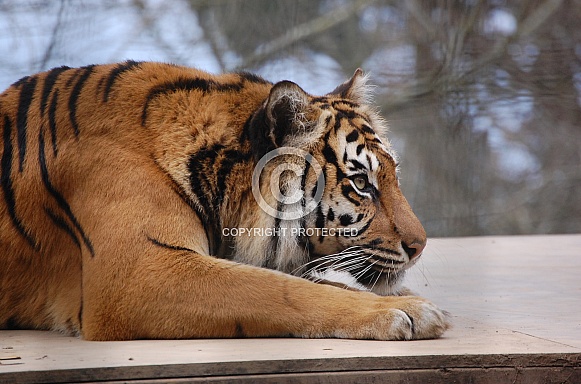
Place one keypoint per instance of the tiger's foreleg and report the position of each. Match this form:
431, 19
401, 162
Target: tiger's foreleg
181, 294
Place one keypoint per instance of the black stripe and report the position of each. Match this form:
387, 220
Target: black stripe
80, 314
387, 250
186, 84
346, 219
62, 203
49, 83
20, 81
348, 114
75, 96
52, 120
375, 242
229, 159
168, 246
200, 166
251, 77
340, 104
62, 224
73, 77
320, 221
196, 180
339, 116
115, 73
376, 140
357, 165
354, 135
329, 153
346, 190
12, 324
222, 174
24, 101
331, 157
258, 134
323, 103
6, 181
206, 162
360, 149
367, 129
245, 136
365, 227
308, 160
239, 332
331, 214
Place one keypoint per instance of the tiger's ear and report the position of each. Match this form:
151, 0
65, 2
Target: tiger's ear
286, 115
355, 89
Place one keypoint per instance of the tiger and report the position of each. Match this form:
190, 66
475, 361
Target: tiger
132, 207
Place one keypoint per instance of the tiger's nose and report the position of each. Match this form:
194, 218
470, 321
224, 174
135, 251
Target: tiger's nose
414, 249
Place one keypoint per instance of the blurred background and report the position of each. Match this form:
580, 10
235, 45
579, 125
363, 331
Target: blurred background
483, 97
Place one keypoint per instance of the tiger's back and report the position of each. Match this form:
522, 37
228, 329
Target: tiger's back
118, 180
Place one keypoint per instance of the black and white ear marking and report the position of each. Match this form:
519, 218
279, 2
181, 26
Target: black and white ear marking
285, 119
286, 110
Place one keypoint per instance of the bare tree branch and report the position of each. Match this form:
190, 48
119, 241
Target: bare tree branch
214, 37
454, 79
53, 39
305, 30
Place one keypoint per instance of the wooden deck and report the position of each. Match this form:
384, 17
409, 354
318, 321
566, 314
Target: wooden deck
515, 301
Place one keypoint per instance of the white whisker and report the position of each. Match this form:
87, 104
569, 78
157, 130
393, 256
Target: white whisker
377, 280
325, 260
365, 270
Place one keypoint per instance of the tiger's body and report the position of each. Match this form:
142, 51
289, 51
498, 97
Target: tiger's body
118, 183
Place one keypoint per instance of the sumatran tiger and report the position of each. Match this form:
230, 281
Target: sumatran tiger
148, 200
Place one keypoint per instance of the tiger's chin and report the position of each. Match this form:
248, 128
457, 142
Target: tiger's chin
382, 285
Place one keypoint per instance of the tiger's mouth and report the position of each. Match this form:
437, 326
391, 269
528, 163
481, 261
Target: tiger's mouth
382, 264
359, 268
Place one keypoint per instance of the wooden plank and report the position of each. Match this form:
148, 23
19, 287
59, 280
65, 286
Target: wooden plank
445, 366
444, 376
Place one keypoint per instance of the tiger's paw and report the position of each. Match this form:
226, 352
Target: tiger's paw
405, 318
417, 319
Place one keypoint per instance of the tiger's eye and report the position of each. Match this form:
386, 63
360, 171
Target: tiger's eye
360, 182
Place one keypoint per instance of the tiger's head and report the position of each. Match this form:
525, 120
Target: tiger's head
327, 177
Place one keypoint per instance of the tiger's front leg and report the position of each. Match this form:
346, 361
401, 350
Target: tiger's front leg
171, 293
